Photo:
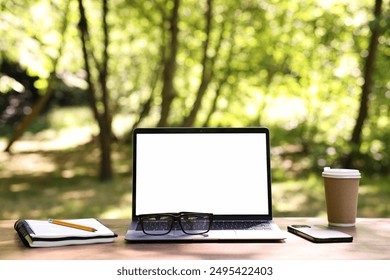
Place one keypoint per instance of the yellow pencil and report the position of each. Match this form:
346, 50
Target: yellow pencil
66, 224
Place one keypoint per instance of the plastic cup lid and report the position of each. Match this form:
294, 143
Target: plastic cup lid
340, 173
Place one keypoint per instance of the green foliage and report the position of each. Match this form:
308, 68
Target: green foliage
294, 66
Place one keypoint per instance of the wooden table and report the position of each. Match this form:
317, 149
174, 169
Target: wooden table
371, 241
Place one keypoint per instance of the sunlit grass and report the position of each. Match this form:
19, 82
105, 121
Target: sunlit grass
70, 117
74, 121
65, 128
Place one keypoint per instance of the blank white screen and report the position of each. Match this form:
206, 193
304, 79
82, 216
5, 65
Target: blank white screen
219, 173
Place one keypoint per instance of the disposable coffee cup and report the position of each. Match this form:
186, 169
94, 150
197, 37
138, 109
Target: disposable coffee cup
341, 195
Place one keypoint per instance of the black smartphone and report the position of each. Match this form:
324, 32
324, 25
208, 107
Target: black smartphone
319, 234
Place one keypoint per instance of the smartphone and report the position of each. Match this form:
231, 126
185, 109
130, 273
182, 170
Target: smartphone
319, 234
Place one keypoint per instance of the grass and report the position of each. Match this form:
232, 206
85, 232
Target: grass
64, 184
54, 173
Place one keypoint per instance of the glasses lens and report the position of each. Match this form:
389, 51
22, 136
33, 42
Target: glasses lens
195, 223
156, 224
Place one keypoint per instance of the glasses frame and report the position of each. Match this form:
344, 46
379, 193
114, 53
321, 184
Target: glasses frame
176, 217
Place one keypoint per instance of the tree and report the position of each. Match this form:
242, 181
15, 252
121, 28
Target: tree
45, 97
101, 113
227, 70
284, 64
207, 68
168, 91
356, 136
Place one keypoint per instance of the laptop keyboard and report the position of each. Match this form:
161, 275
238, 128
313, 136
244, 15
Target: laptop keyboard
229, 225
240, 225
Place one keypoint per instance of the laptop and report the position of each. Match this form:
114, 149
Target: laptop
222, 171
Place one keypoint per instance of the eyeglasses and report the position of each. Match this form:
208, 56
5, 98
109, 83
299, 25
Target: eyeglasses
162, 224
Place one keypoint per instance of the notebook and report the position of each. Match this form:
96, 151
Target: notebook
223, 171
42, 233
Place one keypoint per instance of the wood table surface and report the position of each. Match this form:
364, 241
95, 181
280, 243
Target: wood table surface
371, 241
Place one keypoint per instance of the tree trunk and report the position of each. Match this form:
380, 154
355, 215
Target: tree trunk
102, 117
27, 119
168, 91
366, 88
105, 130
226, 73
206, 72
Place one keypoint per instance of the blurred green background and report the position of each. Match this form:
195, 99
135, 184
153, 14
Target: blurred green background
77, 76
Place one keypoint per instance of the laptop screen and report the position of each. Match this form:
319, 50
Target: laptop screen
219, 171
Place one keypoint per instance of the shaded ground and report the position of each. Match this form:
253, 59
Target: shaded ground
42, 184
38, 183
